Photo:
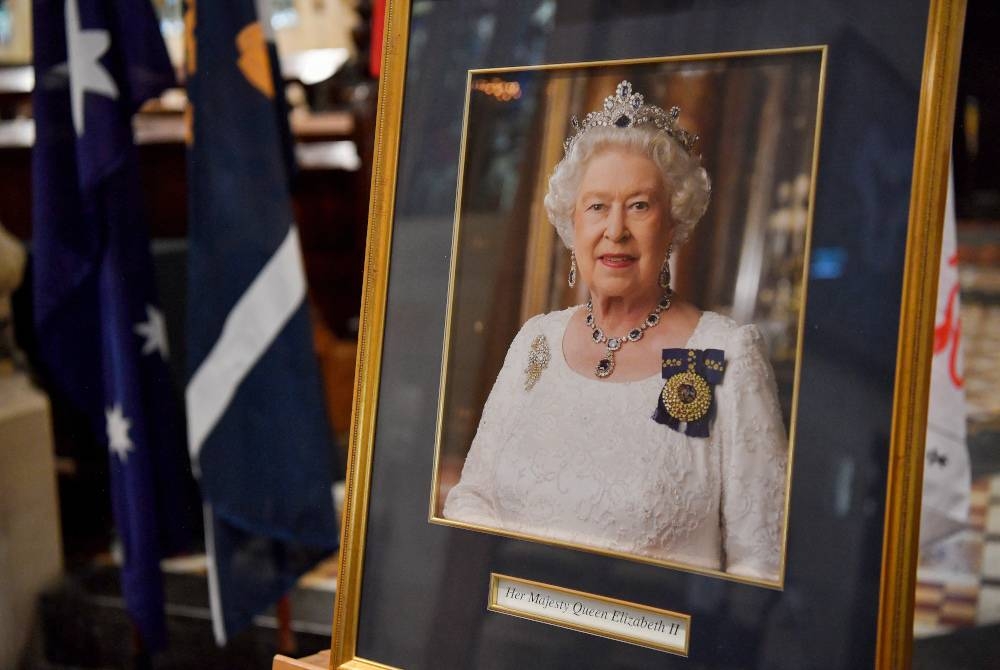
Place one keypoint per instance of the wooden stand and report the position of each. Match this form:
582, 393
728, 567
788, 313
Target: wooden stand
320, 661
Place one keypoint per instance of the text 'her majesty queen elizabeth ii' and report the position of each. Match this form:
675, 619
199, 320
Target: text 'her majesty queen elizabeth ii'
635, 423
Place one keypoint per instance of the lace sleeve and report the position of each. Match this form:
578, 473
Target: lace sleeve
473, 499
754, 460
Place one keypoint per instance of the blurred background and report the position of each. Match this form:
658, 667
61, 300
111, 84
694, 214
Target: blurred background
61, 601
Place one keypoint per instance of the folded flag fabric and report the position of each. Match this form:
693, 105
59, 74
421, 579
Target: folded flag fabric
257, 428
102, 340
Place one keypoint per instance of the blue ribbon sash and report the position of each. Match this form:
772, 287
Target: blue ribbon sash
688, 394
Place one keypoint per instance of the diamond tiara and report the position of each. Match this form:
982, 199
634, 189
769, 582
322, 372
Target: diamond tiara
627, 109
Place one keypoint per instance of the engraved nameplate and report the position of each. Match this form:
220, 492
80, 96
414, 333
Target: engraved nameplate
598, 615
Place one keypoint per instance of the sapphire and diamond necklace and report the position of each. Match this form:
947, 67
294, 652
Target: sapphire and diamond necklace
606, 365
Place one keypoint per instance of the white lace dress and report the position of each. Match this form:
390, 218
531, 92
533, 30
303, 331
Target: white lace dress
581, 460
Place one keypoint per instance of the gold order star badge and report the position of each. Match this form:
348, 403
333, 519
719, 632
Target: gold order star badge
687, 396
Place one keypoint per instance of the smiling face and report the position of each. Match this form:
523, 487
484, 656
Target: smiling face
621, 225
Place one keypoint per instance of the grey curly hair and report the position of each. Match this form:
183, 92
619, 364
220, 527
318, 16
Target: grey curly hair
685, 180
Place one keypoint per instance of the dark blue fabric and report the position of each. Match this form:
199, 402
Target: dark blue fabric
93, 281
265, 467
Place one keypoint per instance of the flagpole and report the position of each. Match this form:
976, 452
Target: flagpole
141, 658
214, 593
286, 637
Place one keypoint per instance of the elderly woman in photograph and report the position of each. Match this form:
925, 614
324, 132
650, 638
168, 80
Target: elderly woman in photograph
636, 423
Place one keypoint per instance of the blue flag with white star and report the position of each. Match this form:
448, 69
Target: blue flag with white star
102, 343
257, 428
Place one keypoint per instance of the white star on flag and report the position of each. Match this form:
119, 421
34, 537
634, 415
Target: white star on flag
84, 48
154, 330
117, 427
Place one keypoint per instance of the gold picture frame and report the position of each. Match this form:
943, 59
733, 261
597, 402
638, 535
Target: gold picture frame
892, 632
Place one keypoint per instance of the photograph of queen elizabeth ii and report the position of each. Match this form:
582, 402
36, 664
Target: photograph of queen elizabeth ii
644, 401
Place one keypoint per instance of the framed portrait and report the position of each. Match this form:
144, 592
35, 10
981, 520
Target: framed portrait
644, 348
762, 110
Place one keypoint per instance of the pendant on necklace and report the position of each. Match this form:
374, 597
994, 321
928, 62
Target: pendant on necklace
606, 365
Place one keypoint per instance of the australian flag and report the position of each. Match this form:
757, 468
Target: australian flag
101, 336
257, 427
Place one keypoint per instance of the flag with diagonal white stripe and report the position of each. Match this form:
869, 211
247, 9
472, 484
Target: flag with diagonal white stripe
257, 428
